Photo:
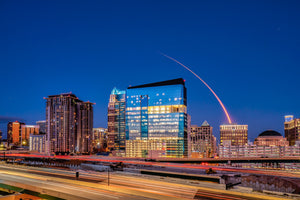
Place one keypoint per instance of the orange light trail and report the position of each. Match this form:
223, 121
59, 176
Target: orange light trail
222, 105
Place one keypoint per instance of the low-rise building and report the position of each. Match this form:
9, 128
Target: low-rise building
42, 126
14, 133
267, 145
99, 140
26, 130
37, 143
270, 138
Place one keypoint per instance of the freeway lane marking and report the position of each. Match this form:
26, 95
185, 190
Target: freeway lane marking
53, 174
177, 185
173, 189
48, 185
200, 194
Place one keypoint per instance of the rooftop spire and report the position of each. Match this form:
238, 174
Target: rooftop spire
205, 123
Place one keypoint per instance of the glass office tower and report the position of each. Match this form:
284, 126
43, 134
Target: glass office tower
156, 120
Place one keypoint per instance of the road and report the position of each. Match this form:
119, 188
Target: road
94, 185
167, 165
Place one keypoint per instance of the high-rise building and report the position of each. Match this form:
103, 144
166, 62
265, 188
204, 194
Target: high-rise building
69, 124
26, 130
202, 141
215, 146
99, 139
116, 122
14, 132
292, 129
189, 120
42, 126
234, 133
84, 126
156, 120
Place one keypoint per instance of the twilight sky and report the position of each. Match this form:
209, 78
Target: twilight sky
247, 51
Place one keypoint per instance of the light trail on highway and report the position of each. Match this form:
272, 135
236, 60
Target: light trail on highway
164, 164
123, 186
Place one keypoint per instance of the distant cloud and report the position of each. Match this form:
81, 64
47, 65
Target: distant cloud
6, 119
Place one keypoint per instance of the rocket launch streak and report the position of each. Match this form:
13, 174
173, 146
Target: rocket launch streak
222, 105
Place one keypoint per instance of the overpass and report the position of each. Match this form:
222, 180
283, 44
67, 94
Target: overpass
291, 159
25, 154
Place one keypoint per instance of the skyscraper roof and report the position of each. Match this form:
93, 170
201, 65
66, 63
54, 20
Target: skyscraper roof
269, 133
64, 94
162, 83
115, 91
205, 123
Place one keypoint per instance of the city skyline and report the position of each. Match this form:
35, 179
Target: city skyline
11, 119
250, 60
150, 99
216, 128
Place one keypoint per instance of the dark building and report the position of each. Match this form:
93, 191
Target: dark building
99, 140
42, 126
69, 124
116, 122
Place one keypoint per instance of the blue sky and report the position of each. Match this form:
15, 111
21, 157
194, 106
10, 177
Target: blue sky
247, 51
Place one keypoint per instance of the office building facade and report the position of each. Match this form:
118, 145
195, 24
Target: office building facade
26, 130
99, 140
42, 126
69, 124
202, 141
14, 133
116, 122
156, 120
258, 151
292, 129
236, 134
37, 143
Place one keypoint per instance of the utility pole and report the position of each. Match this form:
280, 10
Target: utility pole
77, 175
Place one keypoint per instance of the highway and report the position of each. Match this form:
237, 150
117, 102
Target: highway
93, 185
141, 162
